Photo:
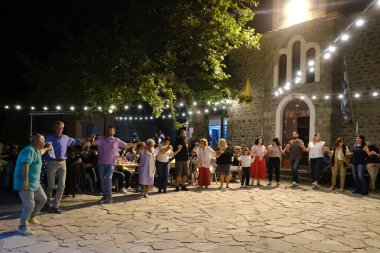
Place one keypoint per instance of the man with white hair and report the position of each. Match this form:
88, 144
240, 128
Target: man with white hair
27, 182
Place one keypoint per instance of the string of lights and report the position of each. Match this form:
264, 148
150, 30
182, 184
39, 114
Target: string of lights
328, 53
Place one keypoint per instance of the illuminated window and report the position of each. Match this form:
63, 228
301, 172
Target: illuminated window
310, 57
282, 69
296, 58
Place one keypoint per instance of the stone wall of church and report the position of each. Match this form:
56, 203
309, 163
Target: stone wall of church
362, 53
363, 67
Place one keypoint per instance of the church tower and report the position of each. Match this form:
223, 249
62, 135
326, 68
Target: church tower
291, 12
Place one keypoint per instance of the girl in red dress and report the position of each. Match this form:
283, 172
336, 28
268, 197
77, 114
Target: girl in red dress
258, 167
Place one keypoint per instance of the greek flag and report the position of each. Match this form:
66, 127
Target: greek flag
344, 101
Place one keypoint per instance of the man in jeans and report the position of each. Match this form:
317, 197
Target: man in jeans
107, 151
27, 182
56, 163
295, 147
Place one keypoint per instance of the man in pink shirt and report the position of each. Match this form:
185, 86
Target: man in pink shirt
107, 152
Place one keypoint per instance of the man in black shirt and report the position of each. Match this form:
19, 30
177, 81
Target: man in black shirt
181, 161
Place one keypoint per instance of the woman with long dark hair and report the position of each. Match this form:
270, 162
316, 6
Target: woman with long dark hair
274, 152
358, 164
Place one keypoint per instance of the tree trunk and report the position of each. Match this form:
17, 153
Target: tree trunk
199, 122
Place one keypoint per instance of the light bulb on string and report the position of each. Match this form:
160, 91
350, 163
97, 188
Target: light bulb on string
195, 103
190, 112
183, 114
327, 56
181, 104
126, 107
340, 96
327, 97
299, 73
141, 118
375, 94
112, 107
215, 109
99, 108
169, 116
151, 117
163, 116
206, 110
146, 118
32, 108
199, 112
45, 108
357, 95
298, 80
314, 97
359, 22
223, 107
209, 102
58, 107
276, 94
110, 111
311, 70
125, 118
331, 49
345, 37
139, 107
18, 107
72, 108
302, 97
130, 118
311, 63
6, 107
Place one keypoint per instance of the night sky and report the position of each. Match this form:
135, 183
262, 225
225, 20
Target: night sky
23, 29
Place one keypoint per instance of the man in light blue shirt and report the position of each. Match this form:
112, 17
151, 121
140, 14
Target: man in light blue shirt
27, 182
56, 163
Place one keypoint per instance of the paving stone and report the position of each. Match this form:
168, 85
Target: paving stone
42, 247
164, 245
17, 242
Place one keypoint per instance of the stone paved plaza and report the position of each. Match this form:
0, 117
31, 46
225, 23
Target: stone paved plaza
283, 219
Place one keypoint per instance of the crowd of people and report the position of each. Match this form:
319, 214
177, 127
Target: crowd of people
98, 156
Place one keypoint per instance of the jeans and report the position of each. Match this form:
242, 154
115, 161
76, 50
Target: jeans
246, 176
295, 164
316, 165
53, 169
162, 172
105, 176
32, 202
359, 179
274, 164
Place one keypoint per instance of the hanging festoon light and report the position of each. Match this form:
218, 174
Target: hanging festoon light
139, 106
206, 111
181, 104
99, 108
344, 37
375, 94
45, 108
58, 107
18, 107
359, 22
327, 97
190, 112
340, 96
126, 107
72, 108
32, 108
357, 95
314, 97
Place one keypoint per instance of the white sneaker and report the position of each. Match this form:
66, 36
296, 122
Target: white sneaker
33, 221
123, 191
315, 184
295, 184
25, 231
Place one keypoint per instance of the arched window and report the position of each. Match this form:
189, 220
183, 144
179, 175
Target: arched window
310, 57
296, 58
282, 69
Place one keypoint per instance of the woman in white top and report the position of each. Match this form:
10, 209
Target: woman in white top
204, 153
164, 153
316, 149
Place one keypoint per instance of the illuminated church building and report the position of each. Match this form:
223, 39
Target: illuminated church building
296, 76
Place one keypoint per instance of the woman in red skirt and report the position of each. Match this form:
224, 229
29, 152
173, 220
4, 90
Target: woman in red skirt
204, 153
258, 167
